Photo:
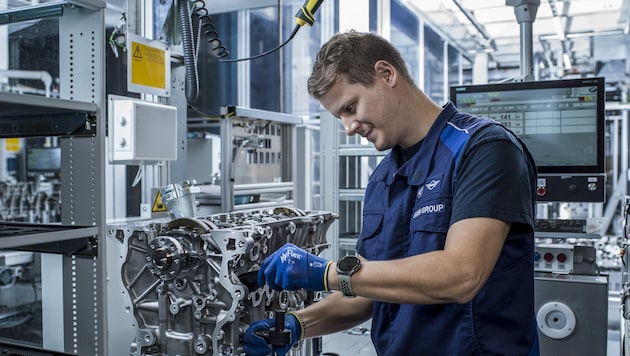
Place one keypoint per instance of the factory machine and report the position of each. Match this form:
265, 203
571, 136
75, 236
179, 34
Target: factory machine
190, 284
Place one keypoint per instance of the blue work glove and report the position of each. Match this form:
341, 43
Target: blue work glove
256, 345
291, 268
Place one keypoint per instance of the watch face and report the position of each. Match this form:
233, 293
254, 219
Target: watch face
348, 263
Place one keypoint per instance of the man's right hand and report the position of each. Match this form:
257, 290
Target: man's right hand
256, 345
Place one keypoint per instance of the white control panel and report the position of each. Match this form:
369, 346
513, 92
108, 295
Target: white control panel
141, 131
557, 258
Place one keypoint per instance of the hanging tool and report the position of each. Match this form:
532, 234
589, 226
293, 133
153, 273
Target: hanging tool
306, 14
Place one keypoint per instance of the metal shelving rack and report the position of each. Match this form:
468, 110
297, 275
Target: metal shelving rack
29, 116
73, 269
345, 169
232, 119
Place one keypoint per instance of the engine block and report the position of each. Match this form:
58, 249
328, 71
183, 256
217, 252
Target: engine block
192, 282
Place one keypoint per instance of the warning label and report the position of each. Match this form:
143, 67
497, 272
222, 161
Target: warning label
137, 53
148, 65
158, 206
12, 144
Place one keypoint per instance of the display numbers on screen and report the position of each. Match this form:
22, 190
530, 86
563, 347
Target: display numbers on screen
511, 120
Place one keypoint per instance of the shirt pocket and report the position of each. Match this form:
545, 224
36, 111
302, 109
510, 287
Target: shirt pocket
429, 225
368, 238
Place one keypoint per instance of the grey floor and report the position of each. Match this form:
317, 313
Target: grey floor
357, 341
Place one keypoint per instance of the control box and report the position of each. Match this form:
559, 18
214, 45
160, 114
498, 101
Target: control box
557, 258
141, 132
589, 188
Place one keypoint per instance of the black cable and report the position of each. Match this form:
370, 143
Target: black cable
295, 30
207, 27
190, 59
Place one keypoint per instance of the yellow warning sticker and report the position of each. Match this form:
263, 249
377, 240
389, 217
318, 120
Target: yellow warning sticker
158, 206
12, 144
149, 66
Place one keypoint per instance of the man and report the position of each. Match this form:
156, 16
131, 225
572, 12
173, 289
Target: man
445, 255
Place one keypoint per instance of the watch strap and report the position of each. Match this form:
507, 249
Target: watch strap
344, 285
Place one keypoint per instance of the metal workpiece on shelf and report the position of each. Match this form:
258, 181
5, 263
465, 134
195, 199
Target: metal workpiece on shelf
180, 198
191, 283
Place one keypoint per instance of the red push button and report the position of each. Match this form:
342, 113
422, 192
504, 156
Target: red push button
562, 258
548, 257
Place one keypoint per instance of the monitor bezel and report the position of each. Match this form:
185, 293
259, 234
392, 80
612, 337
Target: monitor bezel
598, 168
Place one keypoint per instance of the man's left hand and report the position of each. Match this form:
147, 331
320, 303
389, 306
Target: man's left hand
291, 268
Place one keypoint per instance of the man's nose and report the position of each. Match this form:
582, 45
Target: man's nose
351, 126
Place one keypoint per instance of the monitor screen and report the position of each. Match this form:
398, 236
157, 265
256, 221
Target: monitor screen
561, 121
43, 159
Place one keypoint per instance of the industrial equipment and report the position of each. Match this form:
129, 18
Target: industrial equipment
562, 123
571, 313
191, 283
257, 150
141, 131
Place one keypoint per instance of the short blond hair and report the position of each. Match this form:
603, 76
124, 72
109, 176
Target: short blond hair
352, 55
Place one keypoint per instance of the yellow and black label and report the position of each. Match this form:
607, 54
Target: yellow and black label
158, 206
148, 65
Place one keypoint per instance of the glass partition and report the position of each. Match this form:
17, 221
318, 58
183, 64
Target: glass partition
433, 65
405, 35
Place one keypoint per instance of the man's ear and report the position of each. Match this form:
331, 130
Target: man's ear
386, 71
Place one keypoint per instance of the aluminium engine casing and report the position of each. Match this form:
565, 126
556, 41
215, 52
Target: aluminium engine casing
192, 282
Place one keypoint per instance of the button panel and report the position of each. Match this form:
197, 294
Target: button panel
557, 258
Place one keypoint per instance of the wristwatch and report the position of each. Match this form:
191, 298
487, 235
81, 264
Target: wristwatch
346, 267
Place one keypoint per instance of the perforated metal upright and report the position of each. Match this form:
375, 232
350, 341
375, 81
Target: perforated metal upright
82, 77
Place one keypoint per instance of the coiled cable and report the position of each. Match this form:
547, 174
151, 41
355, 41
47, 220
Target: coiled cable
190, 58
206, 27
200, 23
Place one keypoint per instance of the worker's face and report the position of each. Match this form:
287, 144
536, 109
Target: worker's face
364, 111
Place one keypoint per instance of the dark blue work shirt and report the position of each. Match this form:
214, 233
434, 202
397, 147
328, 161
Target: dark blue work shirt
465, 167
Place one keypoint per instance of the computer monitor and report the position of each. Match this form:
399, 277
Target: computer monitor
44, 161
562, 123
